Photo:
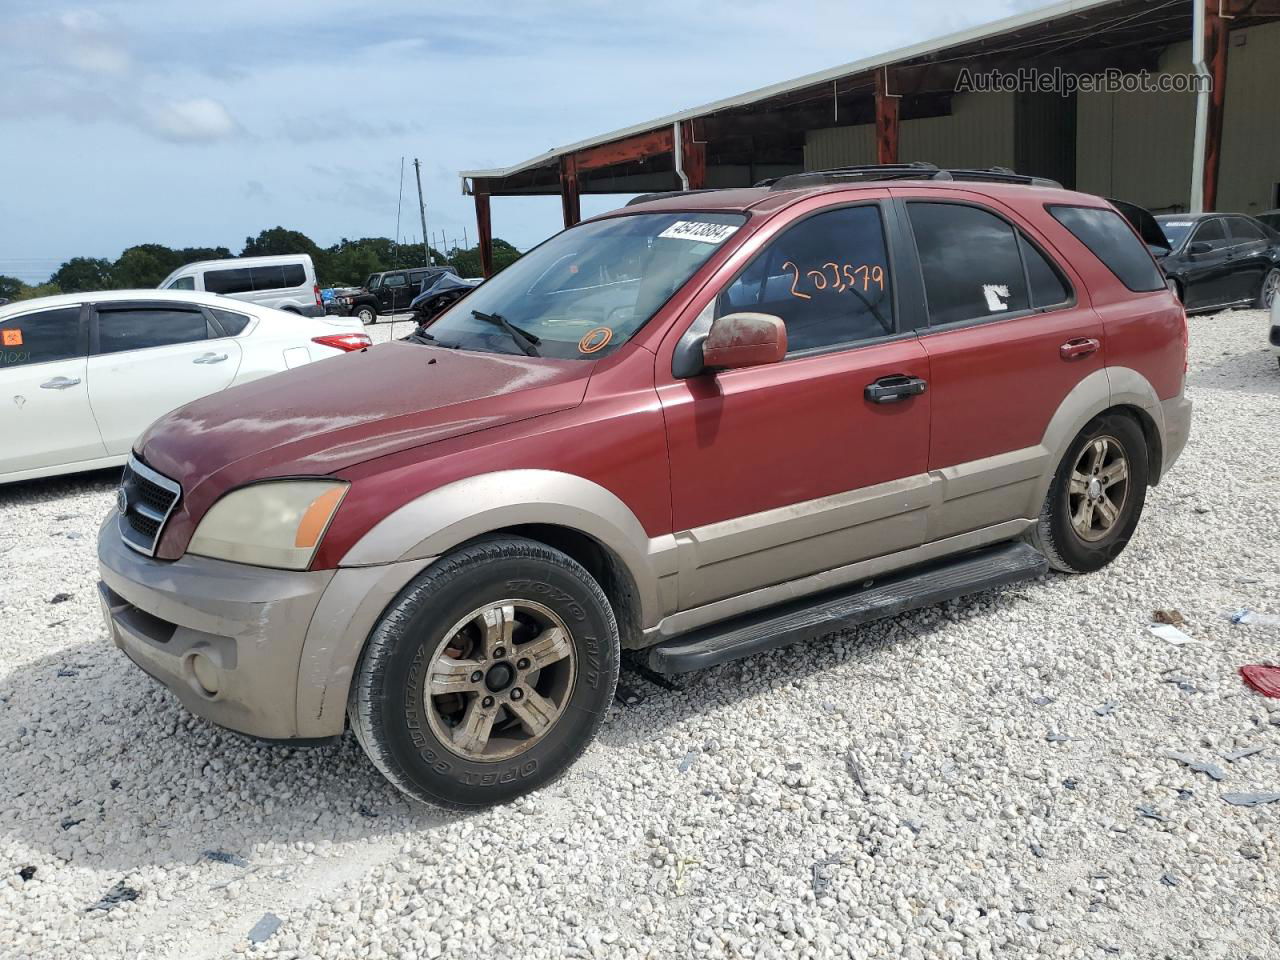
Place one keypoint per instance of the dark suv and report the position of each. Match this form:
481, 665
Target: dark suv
388, 292
695, 428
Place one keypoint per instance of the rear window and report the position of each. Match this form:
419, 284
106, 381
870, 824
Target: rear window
1110, 238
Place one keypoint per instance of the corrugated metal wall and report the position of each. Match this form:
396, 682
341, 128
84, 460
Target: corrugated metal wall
979, 133
1137, 146
1251, 125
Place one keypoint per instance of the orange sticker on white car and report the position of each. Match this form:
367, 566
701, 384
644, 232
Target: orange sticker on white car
12, 338
595, 339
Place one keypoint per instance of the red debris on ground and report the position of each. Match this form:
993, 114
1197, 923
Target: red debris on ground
1264, 679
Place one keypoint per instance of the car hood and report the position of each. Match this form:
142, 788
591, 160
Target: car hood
323, 417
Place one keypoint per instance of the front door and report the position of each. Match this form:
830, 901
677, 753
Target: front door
149, 358
393, 295
1210, 273
1250, 257
1007, 340
43, 391
783, 471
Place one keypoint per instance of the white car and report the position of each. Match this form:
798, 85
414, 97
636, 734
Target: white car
82, 375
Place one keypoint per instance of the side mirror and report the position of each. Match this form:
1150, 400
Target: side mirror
1199, 249
744, 340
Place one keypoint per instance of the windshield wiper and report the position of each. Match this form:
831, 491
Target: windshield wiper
524, 340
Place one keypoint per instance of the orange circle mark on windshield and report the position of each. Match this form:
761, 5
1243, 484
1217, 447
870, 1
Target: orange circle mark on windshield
594, 340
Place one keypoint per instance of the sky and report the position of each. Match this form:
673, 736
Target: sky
201, 123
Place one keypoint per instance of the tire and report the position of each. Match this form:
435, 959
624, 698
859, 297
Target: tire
417, 743
1269, 289
1056, 536
366, 314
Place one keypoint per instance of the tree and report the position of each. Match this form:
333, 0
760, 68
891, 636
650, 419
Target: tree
143, 266
10, 287
83, 273
43, 290
467, 262
278, 241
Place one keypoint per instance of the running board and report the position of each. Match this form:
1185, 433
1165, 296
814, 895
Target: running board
827, 613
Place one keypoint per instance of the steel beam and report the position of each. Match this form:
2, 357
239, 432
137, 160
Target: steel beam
886, 119
570, 203
1215, 56
484, 234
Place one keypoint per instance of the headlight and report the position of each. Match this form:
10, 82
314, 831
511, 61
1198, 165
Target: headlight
271, 524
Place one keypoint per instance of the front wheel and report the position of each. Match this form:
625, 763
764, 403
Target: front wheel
1270, 287
366, 314
488, 675
1096, 496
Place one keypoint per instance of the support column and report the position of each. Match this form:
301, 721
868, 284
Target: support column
484, 231
886, 119
1215, 55
693, 155
569, 201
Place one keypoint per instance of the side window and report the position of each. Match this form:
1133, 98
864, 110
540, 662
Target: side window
971, 263
1211, 232
182, 283
40, 337
1110, 238
267, 278
228, 281
232, 323
134, 328
1048, 289
1245, 231
827, 277
294, 275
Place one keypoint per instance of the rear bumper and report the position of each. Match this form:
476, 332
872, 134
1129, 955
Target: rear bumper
1177, 428
268, 653
311, 311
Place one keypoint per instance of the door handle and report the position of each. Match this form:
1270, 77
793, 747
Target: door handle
893, 388
210, 358
1079, 347
59, 383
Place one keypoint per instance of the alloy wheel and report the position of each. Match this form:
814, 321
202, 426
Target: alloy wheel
499, 680
1270, 287
1098, 488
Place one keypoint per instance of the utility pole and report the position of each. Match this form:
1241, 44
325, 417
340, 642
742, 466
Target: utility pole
395, 256
422, 212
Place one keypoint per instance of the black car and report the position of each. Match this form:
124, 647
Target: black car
389, 292
1220, 260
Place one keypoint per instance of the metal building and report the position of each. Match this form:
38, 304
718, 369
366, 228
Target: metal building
1210, 140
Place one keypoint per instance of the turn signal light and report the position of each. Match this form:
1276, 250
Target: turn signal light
345, 341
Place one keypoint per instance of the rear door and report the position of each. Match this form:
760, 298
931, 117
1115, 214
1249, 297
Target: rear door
149, 357
782, 471
47, 419
1250, 257
1008, 338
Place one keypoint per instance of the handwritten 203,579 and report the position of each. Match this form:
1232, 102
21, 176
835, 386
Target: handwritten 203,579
836, 277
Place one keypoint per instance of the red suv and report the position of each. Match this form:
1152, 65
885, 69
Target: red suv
698, 427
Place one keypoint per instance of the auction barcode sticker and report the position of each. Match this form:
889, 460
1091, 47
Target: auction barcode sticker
702, 232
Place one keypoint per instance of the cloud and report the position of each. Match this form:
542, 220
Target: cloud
86, 41
191, 121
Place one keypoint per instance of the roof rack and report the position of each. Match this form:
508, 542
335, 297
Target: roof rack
918, 170
646, 197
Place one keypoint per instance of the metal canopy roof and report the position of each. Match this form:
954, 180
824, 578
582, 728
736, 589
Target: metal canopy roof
928, 49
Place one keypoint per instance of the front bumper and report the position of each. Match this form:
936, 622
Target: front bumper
247, 623
269, 653
1177, 428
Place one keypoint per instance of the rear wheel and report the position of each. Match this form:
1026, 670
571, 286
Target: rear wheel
1270, 287
1096, 496
488, 676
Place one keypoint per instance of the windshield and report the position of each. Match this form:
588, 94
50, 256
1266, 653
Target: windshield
1175, 229
586, 291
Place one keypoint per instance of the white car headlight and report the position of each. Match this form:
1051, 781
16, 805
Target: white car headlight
276, 523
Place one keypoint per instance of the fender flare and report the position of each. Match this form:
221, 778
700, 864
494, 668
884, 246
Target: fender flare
448, 516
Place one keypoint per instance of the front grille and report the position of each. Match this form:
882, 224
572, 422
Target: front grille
148, 498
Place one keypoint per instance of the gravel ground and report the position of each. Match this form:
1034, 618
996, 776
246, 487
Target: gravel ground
985, 779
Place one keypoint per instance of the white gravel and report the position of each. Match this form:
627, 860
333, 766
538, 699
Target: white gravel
720, 819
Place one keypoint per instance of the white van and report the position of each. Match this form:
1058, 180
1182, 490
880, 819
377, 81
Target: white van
283, 282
